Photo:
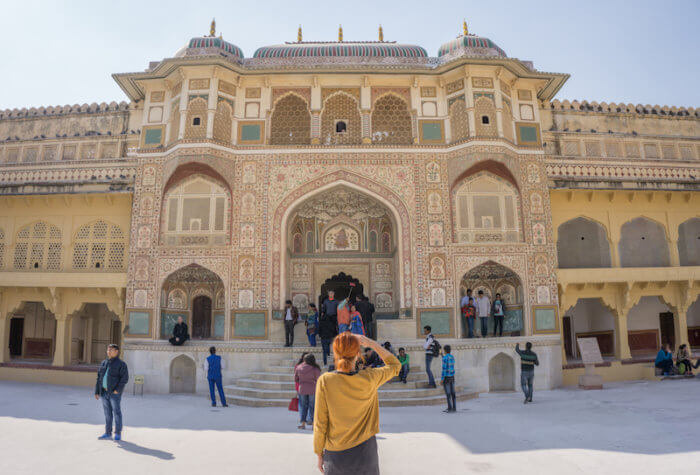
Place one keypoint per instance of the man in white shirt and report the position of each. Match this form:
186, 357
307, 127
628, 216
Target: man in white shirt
465, 300
483, 310
429, 355
291, 315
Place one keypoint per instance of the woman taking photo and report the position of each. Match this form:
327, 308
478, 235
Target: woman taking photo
347, 409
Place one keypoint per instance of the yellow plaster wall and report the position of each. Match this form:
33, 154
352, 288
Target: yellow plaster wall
615, 372
48, 376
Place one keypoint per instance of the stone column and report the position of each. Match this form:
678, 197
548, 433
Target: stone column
366, 127
4, 338
62, 343
315, 127
88, 339
680, 325
622, 347
184, 102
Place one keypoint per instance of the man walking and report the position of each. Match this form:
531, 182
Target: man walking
111, 379
327, 330
291, 315
498, 309
329, 307
483, 308
528, 361
212, 367
429, 346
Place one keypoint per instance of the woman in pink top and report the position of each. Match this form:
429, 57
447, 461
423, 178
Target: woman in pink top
305, 376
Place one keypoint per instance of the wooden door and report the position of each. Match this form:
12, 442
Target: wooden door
667, 329
116, 332
568, 343
16, 336
201, 317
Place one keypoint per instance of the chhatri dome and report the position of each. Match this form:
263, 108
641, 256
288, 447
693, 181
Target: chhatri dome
340, 48
470, 45
210, 45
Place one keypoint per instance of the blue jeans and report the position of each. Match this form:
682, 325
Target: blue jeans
312, 338
527, 379
220, 388
326, 347
449, 385
306, 408
112, 405
403, 374
484, 326
428, 360
470, 326
343, 328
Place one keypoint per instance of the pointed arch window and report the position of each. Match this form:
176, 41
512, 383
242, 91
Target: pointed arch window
196, 206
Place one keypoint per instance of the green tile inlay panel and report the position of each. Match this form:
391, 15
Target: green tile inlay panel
153, 136
528, 134
439, 321
139, 323
545, 319
219, 325
249, 324
513, 320
431, 131
168, 321
250, 132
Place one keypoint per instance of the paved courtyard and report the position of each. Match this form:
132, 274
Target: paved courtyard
635, 427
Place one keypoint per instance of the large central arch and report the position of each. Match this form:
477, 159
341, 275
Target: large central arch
348, 179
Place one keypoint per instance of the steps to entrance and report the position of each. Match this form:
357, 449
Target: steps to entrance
274, 387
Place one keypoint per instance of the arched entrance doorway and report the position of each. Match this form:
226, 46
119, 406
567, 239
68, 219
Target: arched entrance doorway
493, 278
341, 239
201, 317
198, 296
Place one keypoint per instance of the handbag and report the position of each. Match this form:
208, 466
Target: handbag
294, 404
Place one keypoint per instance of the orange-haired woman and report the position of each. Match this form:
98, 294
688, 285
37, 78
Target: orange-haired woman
347, 409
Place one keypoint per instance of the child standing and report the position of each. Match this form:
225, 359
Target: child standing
356, 326
448, 379
404, 360
470, 315
312, 324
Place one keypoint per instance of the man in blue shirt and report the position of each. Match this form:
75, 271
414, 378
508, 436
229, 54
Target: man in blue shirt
664, 359
212, 367
111, 379
448, 379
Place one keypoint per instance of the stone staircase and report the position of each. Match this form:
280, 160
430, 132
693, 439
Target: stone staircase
274, 387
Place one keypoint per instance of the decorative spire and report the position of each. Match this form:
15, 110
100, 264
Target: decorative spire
340, 32
381, 33
299, 34
212, 28
465, 31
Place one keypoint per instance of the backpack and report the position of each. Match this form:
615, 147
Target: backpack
435, 347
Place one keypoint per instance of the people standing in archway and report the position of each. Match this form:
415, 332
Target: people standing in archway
498, 309
343, 316
469, 312
327, 330
291, 316
356, 326
366, 309
528, 361
329, 307
347, 409
111, 379
464, 307
212, 368
180, 333
483, 311
312, 324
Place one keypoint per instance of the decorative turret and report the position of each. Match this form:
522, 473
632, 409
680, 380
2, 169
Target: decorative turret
211, 46
381, 33
471, 45
299, 37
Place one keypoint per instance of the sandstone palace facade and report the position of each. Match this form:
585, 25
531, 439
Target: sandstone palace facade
228, 184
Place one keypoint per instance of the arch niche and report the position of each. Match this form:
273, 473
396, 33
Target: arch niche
493, 278
342, 223
183, 372
501, 373
190, 292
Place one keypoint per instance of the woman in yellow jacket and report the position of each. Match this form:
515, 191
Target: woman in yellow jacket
347, 409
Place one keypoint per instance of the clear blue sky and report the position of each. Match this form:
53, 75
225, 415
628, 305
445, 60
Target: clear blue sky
64, 52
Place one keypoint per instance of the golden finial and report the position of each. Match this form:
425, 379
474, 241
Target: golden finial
299, 34
381, 33
465, 31
212, 28
340, 32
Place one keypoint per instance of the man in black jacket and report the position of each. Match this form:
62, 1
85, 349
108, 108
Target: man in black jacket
180, 334
327, 330
111, 379
366, 309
